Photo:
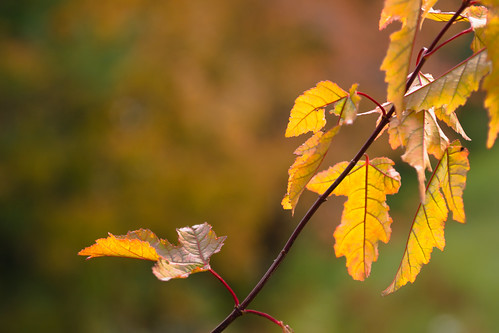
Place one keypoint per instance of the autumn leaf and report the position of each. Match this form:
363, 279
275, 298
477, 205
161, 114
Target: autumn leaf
427, 230
398, 57
421, 135
452, 89
450, 119
491, 83
310, 155
196, 245
138, 244
365, 219
454, 81
308, 112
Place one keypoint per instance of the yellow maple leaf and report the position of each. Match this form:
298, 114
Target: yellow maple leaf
398, 57
427, 230
365, 219
310, 155
308, 112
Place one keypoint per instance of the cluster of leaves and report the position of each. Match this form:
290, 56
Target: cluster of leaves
415, 126
418, 104
196, 245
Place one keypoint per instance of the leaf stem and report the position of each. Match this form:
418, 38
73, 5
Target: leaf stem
265, 315
238, 310
373, 100
226, 285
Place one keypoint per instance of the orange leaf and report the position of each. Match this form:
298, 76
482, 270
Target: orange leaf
427, 229
365, 219
310, 156
136, 244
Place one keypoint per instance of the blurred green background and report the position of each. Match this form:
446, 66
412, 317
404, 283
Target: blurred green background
117, 115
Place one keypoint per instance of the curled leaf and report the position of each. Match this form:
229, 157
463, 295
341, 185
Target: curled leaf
308, 112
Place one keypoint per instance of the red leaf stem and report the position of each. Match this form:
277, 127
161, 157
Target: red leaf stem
226, 285
374, 101
265, 315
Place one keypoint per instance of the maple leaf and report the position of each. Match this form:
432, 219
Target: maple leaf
491, 83
398, 57
365, 219
427, 230
196, 245
310, 155
420, 133
453, 88
308, 112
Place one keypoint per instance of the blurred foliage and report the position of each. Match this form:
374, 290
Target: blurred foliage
116, 115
